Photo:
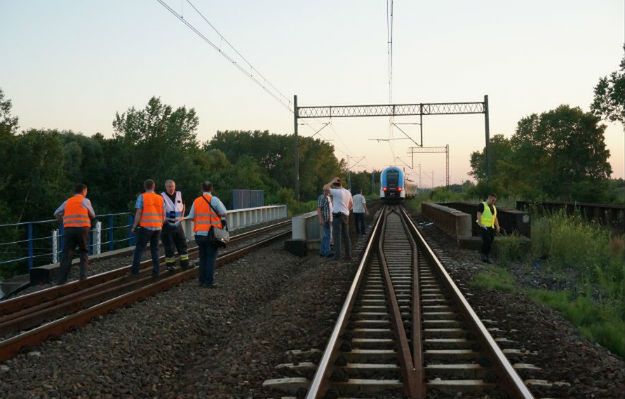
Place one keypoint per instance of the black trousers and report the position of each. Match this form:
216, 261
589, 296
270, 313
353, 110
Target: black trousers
488, 236
74, 237
143, 237
173, 239
359, 220
340, 230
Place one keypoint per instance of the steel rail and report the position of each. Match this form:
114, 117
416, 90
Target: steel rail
19, 303
320, 381
12, 346
417, 335
511, 381
408, 369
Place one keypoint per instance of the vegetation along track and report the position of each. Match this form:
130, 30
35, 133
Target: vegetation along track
30, 319
405, 330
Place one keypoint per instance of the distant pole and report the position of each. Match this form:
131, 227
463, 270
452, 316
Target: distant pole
447, 166
295, 112
487, 133
432, 179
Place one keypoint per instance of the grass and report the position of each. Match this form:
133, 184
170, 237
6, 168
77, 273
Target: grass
568, 245
597, 322
494, 278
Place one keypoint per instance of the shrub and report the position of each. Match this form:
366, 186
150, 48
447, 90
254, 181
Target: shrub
511, 247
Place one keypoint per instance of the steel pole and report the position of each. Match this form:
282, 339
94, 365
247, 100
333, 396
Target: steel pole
487, 133
295, 112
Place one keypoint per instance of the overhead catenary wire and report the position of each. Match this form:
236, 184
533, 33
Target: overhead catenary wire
240, 55
237, 65
389, 51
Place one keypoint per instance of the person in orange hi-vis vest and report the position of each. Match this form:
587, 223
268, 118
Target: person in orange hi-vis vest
207, 212
147, 225
75, 214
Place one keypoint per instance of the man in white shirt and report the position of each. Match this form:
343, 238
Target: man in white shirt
342, 203
360, 209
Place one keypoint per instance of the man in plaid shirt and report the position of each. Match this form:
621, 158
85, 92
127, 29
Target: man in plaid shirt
324, 214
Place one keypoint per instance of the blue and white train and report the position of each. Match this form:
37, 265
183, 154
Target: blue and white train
394, 187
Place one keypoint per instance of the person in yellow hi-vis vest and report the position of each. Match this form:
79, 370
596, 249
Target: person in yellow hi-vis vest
487, 220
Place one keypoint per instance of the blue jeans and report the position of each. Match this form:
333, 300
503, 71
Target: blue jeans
208, 254
143, 237
325, 240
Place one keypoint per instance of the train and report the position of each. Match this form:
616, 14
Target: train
394, 186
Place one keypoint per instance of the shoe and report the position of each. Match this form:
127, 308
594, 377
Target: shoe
154, 276
330, 255
212, 285
171, 269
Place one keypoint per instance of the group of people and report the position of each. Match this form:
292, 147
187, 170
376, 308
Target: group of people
333, 209
157, 217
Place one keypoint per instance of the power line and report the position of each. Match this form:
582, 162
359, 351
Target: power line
262, 85
239, 54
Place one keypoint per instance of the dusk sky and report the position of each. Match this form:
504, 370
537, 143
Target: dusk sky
73, 64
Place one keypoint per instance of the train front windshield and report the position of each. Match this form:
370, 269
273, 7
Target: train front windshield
392, 178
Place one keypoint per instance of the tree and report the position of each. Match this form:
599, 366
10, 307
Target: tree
8, 128
273, 152
609, 100
155, 142
557, 154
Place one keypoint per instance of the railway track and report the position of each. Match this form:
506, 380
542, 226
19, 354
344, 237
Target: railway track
30, 319
406, 330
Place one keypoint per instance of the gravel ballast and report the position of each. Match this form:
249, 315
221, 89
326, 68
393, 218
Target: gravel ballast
579, 368
189, 341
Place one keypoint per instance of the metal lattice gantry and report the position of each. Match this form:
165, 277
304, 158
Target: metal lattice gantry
373, 110
432, 150
421, 109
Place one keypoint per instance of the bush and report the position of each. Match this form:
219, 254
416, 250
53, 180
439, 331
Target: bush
511, 247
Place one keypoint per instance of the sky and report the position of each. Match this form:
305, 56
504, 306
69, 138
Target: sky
74, 64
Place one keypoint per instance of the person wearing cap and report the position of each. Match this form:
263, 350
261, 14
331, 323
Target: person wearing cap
147, 226
487, 220
207, 213
172, 235
76, 214
341, 203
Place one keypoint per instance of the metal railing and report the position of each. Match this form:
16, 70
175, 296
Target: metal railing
41, 242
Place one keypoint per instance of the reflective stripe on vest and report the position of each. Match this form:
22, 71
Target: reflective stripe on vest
74, 214
204, 218
488, 219
177, 208
152, 215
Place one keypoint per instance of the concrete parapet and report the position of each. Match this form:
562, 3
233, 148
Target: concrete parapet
452, 221
305, 229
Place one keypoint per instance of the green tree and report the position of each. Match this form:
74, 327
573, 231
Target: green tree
156, 142
609, 100
37, 177
274, 153
557, 154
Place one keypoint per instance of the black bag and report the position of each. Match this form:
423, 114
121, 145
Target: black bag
220, 237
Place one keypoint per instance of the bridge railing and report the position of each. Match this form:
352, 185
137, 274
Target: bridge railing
41, 242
